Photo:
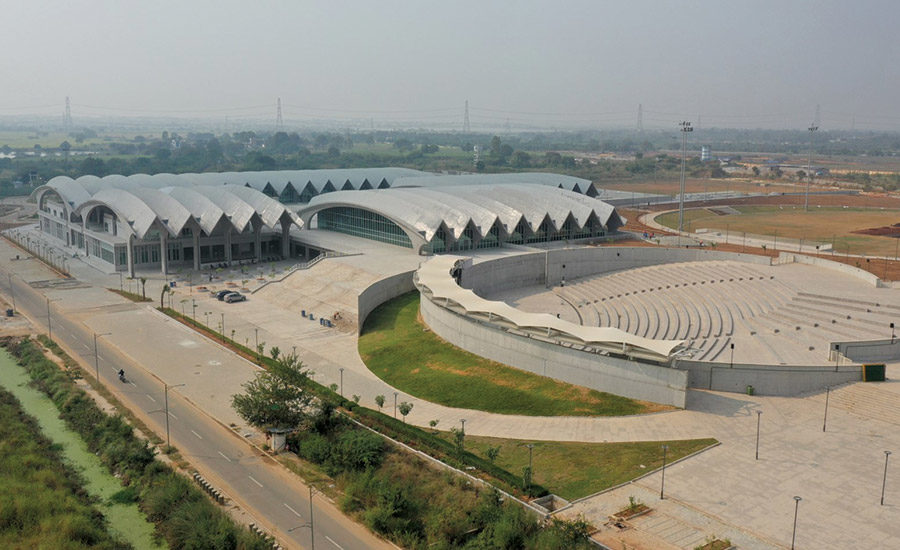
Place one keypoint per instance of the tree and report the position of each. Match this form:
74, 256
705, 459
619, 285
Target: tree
277, 398
379, 400
492, 453
459, 437
404, 409
275, 352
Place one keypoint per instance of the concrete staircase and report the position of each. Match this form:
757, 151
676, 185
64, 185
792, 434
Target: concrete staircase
670, 529
877, 400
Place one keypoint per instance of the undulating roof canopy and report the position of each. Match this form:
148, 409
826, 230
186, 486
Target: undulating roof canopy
168, 201
570, 183
456, 207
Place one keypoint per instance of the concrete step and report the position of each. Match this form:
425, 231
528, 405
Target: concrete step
670, 529
869, 400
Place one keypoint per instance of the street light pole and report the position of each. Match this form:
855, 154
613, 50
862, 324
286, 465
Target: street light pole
884, 480
685, 128
312, 530
892, 324
342, 381
395, 405
827, 395
223, 326
166, 387
758, 417
530, 453
97, 356
49, 328
796, 507
812, 128
662, 486
731, 363
12, 294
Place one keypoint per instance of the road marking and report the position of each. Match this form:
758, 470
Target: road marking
296, 513
223, 456
334, 543
132, 383
150, 397
258, 483
198, 435
173, 416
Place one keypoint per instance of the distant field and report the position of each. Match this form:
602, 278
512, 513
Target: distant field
701, 185
52, 140
819, 224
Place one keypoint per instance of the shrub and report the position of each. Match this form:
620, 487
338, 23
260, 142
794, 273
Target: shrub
315, 448
357, 449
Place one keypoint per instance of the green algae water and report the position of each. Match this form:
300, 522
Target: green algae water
126, 520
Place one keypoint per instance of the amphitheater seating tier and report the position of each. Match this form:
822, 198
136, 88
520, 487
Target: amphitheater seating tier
709, 303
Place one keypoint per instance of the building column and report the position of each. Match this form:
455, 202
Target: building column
164, 250
257, 244
84, 235
285, 239
130, 252
196, 235
228, 245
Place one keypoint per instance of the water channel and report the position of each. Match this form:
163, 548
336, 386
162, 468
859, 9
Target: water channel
125, 520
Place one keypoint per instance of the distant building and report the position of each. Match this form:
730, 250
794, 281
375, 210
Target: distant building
704, 153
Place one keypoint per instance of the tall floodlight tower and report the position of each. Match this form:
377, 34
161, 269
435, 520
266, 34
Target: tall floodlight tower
809, 174
279, 120
466, 126
818, 119
685, 128
67, 118
640, 120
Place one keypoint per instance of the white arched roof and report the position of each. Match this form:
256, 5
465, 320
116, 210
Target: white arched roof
425, 210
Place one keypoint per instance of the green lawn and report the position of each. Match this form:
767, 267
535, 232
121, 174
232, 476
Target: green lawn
405, 354
575, 470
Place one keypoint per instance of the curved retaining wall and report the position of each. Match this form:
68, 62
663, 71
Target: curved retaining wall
628, 378
380, 292
660, 384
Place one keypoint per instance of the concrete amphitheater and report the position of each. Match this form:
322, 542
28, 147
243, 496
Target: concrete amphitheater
782, 326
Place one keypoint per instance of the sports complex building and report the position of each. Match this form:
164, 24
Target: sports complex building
197, 220
512, 275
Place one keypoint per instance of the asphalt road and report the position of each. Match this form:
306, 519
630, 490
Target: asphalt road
260, 486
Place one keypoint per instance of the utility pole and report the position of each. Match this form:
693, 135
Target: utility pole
279, 120
685, 128
467, 128
640, 119
812, 128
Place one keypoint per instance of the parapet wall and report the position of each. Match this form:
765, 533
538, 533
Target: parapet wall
767, 379
553, 266
645, 381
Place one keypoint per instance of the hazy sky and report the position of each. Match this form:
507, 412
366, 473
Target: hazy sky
748, 64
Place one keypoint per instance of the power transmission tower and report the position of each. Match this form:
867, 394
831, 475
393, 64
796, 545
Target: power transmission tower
466, 126
67, 118
640, 121
279, 120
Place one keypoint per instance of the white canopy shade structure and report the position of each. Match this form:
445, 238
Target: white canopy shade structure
436, 283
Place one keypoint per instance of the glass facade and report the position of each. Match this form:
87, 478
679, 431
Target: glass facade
362, 223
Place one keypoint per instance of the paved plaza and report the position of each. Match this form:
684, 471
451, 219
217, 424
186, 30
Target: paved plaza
723, 491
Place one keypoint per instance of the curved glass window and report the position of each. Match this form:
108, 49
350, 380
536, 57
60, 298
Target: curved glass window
362, 223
